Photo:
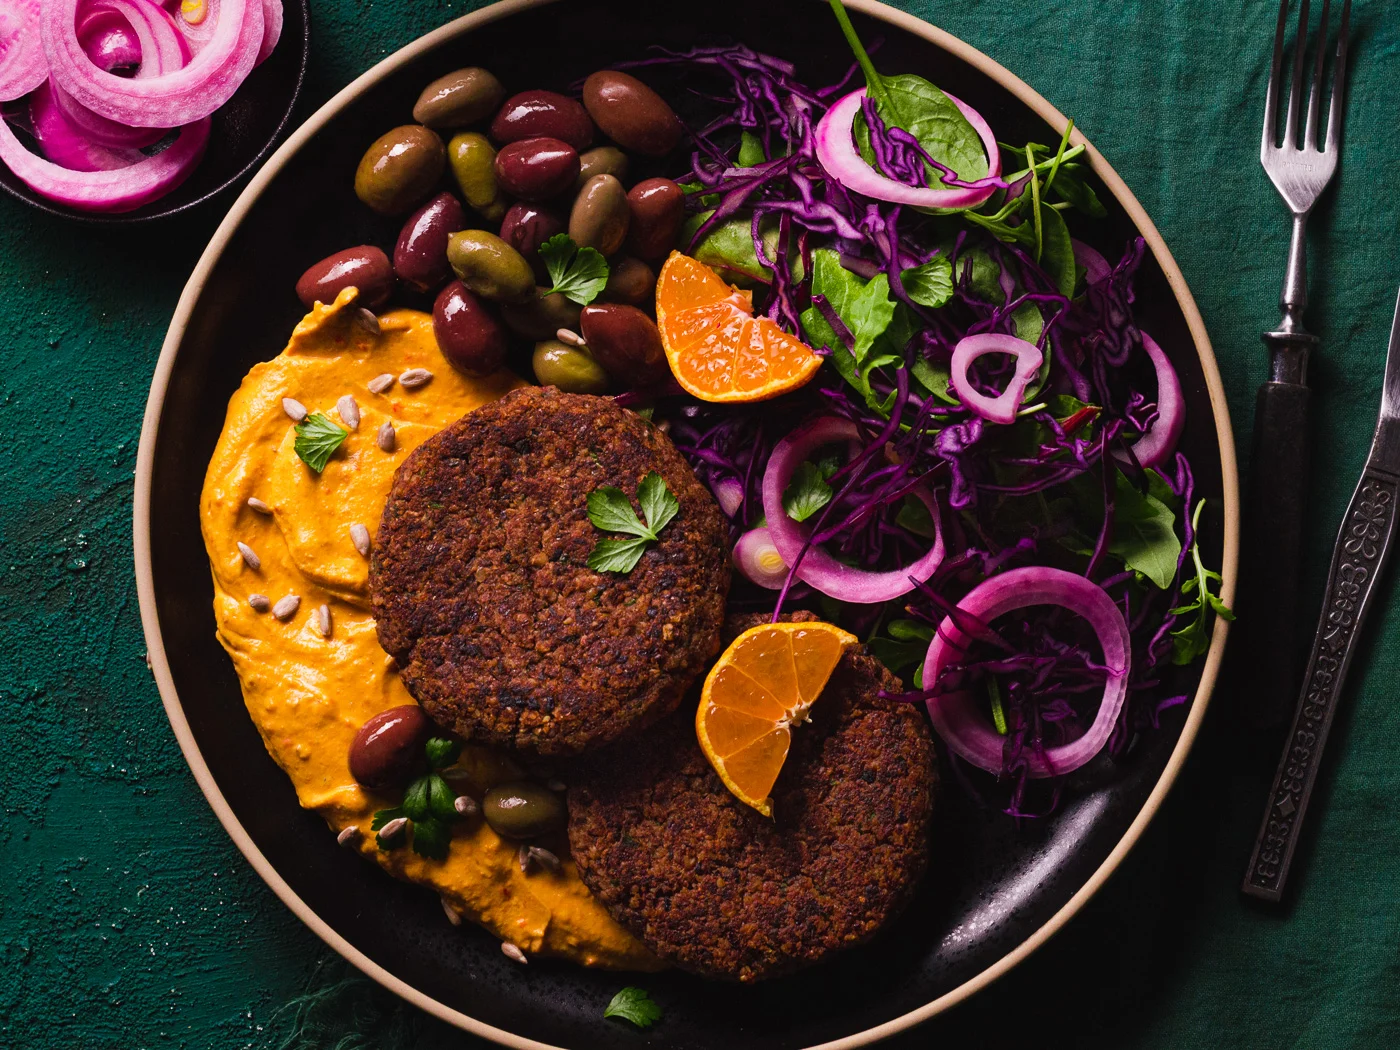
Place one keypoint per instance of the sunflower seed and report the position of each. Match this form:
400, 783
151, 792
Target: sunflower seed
260, 602
349, 836
386, 439
366, 320
452, 916
250, 557
466, 805
415, 378
323, 621
349, 412
522, 857
544, 858
286, 607
393, 829
294, 408
359, 536
569, 337
258, 505
513, 952
381, 383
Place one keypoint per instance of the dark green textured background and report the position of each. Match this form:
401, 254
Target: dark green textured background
127, 918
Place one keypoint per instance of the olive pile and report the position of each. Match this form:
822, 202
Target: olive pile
528, 167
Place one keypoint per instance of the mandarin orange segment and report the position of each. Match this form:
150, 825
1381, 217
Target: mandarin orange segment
717, 349
763, 684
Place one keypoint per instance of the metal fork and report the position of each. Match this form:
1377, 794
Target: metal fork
1279, 465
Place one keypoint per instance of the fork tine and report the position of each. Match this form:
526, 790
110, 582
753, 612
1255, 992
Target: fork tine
1339, 84
1315, 89
1295, 89
1271, 97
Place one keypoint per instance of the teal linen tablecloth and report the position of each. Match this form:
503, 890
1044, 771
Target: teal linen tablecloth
127, 918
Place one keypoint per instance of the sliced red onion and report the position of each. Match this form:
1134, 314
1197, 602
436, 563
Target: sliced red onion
121, 189
729, 494
1157, 445
1003, 407
757, 557
956, 717
816, 567
108, 39
1096, 267
65, 144
836, 149
272, 29
22, 63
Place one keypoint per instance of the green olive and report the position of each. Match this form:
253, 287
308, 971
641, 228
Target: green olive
400, 169
473, 161
570, 368
490, 267
523, 810
459, 99
605, 160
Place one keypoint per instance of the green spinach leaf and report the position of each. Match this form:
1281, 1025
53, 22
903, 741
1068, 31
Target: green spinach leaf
929, 284
750, 150
1143, 533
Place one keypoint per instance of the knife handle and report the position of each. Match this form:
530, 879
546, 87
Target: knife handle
1278, 488
1363, 545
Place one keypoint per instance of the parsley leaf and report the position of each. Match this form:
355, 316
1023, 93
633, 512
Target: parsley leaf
807, 493
442, 751
441, 798
578, 273
430, 838
633, 1004
379, 820
1191, 640
1143, 533
610, 510
415, 799
317, 440
930, 284
617, 555
658, 502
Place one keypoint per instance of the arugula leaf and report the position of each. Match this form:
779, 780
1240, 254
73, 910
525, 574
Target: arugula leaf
906, 646
633, 1004
1143, 533
998, 711
610, 510
929, 284
750, 150
317, 439
578, 273
442, 751
659, 504
807, 493
430, 838
1190, 640
1071, 187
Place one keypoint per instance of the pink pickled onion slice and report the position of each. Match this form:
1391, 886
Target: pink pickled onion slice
955, 715
22, 63
729, 494
272, 29
171, 99
108, 39
1157, 445
836, 149
65, 144
757, 557
100, 130
1096, 267
1003, 407
815, 566
121, 189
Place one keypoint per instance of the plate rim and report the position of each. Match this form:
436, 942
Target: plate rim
145, 584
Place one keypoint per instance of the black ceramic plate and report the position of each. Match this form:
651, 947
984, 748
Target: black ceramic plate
996, 890
244, 131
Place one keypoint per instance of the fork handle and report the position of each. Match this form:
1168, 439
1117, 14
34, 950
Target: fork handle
1278, 488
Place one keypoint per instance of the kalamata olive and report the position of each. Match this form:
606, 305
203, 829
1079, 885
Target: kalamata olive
388, 749
571, 368
631, 114
536, 169
490, 267
473, 161
658, 210
600, 215
605, 160
522, 810
366, 268
540, 316
525, 228
630, 281
626, 343
468, 335
400, 169
459, 99
536, 114
420, 257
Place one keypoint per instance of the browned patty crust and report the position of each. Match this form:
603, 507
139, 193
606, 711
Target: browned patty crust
715, 888
482, 591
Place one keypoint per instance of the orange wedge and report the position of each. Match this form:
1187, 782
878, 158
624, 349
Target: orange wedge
717, 349
764, 684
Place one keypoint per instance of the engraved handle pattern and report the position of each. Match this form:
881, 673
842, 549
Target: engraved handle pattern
1362, 547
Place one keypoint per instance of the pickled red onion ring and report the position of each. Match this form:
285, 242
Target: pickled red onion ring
23, 66
65, 144
1157, 445
1003, 407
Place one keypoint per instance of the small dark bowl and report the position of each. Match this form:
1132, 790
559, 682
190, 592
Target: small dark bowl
244, 132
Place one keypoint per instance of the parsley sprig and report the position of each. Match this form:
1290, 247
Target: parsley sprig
317, 440
633, 1004
577, 273
610, 510
428, 803
1191, 640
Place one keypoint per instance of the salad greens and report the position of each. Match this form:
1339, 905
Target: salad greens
1190, 641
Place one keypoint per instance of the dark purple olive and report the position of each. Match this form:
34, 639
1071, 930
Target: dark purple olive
420, 257
366, 268
542, 316
525, 227
388, 750
468, 334
631, 114
537, 169
626, 343
630, 282
658, 210
533, 114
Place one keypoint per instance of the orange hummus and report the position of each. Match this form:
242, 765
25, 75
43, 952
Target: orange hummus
308, 694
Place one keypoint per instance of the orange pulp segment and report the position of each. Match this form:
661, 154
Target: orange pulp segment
763, 684
717, 349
